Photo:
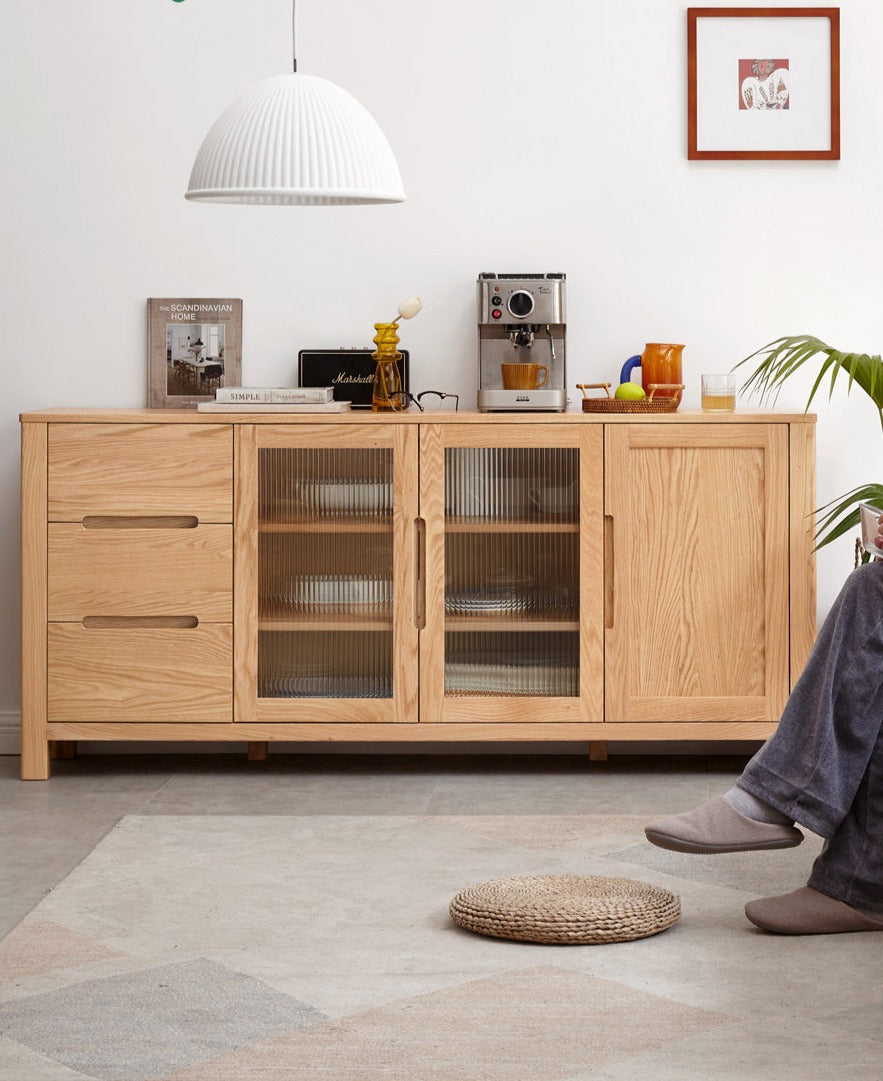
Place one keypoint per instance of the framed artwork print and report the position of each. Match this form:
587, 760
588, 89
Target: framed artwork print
763, 83
194, 346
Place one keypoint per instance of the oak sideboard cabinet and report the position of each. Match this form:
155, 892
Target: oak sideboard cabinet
374, 577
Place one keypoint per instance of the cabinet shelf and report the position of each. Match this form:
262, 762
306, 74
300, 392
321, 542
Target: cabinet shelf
337, 622
491, 525
328, 525
508, 623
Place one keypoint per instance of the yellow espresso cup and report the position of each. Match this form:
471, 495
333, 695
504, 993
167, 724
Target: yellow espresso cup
524, 376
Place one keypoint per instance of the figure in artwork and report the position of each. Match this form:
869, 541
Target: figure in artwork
764, 84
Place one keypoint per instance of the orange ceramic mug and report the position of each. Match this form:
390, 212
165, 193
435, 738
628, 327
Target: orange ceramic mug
659, 363
524, 376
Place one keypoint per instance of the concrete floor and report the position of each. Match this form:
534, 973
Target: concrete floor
357, 856
296, 912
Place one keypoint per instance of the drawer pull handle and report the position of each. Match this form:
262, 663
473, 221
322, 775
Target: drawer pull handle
133, 521
138, 622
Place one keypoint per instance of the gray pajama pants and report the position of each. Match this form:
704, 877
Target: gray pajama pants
823, 766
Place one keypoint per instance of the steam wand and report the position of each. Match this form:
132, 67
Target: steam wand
551, 341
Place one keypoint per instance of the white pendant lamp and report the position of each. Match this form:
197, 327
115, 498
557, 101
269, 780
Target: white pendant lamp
295, 140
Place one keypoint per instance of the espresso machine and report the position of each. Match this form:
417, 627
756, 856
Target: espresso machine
521, 320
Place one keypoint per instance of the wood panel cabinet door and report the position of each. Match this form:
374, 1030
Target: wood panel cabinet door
512, 632
324, 604
697, 559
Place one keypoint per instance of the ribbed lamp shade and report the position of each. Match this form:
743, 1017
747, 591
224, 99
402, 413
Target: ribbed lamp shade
295, 139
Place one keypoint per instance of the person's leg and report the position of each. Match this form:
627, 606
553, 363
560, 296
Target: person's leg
850, 867
811, 767
845, 889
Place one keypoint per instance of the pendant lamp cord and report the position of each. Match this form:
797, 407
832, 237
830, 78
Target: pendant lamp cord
293, 36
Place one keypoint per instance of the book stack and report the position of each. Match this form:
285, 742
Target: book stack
274, 400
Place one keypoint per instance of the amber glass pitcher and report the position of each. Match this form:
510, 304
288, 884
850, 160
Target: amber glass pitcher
659, 363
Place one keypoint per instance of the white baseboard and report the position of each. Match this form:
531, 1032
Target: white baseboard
10, 732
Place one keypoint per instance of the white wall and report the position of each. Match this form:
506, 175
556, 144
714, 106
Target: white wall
537, 136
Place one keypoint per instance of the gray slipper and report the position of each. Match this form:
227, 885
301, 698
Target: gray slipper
808, 912
718, 827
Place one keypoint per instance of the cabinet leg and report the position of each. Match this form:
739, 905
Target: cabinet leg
597, 750
258, 750
34, 760
62, 749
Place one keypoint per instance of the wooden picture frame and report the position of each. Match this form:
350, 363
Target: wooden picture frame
194, 346
739, 106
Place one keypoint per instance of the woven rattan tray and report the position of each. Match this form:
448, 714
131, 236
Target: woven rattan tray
650, 404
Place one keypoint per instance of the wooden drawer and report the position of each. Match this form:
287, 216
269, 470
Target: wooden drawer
140, 675
140, 469
140, 572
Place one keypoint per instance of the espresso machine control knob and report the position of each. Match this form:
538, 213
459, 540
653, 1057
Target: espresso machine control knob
520, 303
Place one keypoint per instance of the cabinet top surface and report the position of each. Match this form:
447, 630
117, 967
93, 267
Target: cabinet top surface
363, 416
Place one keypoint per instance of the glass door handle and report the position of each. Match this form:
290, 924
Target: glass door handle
609, 609
420, 573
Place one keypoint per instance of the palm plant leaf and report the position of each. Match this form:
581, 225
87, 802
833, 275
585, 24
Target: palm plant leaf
782, 357
779, 360
842, 514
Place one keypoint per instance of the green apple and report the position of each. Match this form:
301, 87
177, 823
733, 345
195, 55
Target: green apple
629, 392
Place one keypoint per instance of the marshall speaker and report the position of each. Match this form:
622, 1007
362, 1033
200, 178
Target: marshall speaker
349, 371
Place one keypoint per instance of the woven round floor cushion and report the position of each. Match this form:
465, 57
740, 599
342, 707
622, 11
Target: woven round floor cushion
565, 909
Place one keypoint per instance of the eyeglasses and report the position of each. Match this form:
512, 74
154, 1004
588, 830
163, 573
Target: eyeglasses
404, 398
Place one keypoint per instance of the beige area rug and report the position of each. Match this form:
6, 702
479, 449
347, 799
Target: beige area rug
238, 948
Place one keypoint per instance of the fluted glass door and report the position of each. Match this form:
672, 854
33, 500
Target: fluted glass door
332, 631
325, 567
517, 565
512, 571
